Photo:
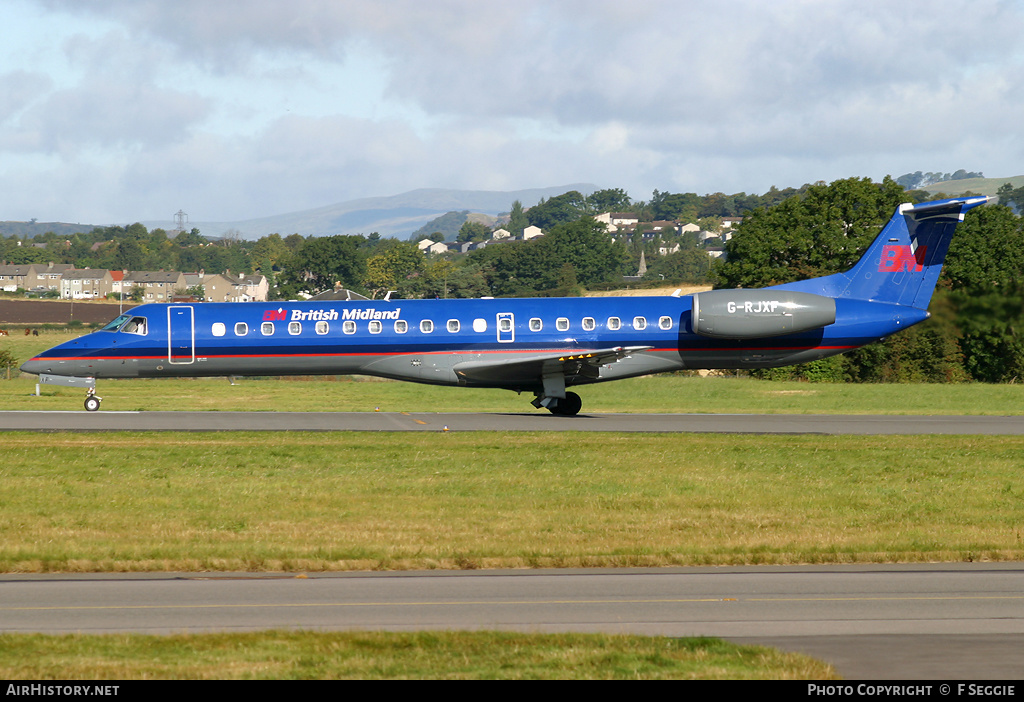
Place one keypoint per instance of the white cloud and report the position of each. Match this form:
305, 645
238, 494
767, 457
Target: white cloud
257, 106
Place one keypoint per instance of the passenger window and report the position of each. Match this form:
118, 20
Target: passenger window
562, 324
219, 329
665, 322
536, 324
453, 326
241, 329
639, 323
614, 323
294, 328
348, 326
426, 326
479, 325
589, 324
376, 327
322, 328
267, 328
401, 326
504, 324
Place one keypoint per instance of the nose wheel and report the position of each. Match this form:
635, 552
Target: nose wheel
92, 403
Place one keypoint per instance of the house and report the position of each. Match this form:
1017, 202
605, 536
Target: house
435, 247
14, 276
86, 284
156, 286
33, 276
241, 287
532, 232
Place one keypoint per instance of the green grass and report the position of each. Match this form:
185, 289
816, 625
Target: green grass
276, 655
360, 501
658, 394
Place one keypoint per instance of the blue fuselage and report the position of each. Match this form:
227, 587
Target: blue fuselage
425, 340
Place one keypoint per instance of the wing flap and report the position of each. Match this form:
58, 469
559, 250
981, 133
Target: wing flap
531, 370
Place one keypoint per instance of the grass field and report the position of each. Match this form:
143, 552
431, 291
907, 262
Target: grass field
344, 501
289, 655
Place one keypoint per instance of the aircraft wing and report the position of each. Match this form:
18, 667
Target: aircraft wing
531, 370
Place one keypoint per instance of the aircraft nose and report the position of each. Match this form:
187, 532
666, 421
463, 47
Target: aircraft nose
34, 366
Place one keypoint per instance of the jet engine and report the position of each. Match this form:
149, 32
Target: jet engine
751, 314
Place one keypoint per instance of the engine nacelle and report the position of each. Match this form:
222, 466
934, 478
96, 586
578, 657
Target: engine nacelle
751, 314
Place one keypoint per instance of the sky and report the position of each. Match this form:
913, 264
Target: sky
116, 111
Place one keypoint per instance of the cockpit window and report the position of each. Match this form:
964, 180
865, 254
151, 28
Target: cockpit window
136, 325
115, 324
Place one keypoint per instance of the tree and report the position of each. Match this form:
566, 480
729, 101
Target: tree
324, 261
666, 206
560, 209
1011, 197
528, 267
7, 361
983, 269
821, 232
608, 200
270, 249
473, 231
129, 256
688, 265
517, 221
190, 238
392, 268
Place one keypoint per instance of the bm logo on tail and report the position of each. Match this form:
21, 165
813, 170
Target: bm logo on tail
897, 258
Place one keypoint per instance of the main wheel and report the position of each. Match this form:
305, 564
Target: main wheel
569, 406
92, 403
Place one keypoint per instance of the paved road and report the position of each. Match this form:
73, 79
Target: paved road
951, 621
425, 421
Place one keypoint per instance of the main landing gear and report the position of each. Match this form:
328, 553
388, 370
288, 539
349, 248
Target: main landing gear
92, 400
568, 406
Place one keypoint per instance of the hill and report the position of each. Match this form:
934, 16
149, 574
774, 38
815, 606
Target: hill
30, 229
394, 215
983, 186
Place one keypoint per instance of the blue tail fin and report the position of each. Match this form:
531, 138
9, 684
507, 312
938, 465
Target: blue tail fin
903, 263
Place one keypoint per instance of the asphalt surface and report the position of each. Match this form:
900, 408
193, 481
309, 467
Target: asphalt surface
929, 622
81, 420
942, 622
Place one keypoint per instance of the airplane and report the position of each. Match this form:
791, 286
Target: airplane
538, 345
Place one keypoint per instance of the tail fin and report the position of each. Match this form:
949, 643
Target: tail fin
903, 263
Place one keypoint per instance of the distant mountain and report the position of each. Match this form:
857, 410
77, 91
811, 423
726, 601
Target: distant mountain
394, 215
30, 229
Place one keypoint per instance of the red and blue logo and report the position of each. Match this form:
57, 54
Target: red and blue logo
279, 315
897, 258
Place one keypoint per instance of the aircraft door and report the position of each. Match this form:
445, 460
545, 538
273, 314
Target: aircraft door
506, 327
181, 334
